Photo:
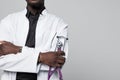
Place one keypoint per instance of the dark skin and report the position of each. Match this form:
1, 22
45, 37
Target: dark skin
35, 5
8, 48
53, 59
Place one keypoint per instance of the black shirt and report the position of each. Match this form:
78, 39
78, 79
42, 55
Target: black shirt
30, 42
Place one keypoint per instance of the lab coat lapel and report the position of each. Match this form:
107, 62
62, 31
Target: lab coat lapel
22, 29
40, 29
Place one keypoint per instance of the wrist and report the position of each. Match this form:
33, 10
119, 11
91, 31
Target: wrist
40, 58
19, 49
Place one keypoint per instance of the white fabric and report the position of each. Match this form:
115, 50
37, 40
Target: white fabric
14, 28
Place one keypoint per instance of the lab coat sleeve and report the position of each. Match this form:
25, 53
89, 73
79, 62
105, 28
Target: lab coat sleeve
21, 62
26, 61
62, 30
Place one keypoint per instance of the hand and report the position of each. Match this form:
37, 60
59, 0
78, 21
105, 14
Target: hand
53, 59
8, 48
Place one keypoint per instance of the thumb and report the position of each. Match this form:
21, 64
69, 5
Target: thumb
61, 53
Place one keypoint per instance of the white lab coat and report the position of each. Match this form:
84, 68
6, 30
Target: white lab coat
14, 28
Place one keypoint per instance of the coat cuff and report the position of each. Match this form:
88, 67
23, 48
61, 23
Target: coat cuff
26, 61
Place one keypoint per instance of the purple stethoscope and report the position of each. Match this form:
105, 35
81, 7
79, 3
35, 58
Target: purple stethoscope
59, 47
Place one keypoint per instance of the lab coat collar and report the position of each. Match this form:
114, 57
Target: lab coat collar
44, 12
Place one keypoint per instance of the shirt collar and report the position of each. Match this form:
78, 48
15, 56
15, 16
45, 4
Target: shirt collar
28, 13
44, 12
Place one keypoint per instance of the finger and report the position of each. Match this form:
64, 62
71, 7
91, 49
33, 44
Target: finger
4, 42
1, 42
1, 45
53, 65
61, 58
58, 65
61, 53
61, 62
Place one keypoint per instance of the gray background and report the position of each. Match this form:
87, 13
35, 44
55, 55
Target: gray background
94, 36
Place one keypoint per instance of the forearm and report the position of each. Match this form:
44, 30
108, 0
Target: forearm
9, 48
16, 62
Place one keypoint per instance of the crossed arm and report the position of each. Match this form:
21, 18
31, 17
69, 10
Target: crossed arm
53, 59
30, 59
